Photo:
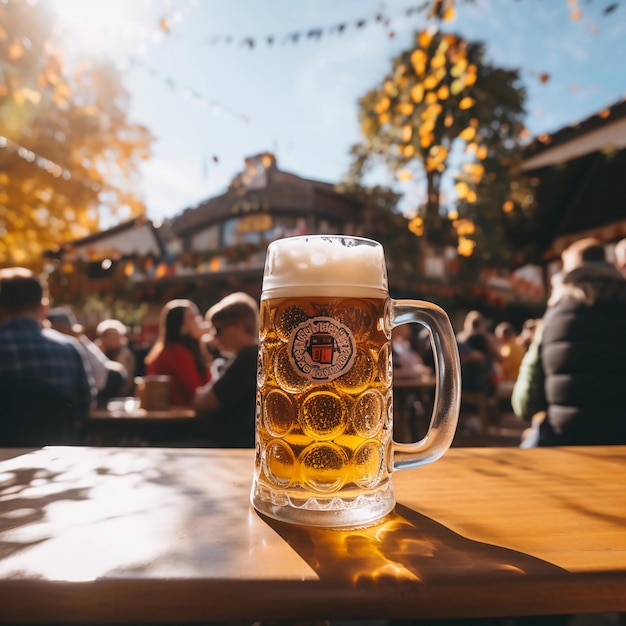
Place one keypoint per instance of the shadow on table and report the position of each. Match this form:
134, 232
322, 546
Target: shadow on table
406, 545
409, 549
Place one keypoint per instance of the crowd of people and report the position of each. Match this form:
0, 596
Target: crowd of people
562, 372
53, 374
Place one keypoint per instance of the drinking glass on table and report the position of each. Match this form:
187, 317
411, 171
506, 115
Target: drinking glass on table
324, 433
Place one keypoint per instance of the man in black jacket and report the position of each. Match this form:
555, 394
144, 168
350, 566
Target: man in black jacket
583, 350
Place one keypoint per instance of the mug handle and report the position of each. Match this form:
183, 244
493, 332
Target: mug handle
448, 390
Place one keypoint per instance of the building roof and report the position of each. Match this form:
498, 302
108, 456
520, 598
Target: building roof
582, 187
262, 187
138, 235
604, 130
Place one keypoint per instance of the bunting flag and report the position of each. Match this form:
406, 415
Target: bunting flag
317, 33
192, 94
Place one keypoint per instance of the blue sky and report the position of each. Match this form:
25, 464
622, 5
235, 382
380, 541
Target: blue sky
204, 98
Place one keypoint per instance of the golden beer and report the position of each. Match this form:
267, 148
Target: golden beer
324, 426
324, 396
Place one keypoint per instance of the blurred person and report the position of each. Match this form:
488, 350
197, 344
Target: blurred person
179, 352
228, 404
406, 359
40, 363
511, 351
109, 376
581, 353
528, 332
620, 256
479, 353
112, 340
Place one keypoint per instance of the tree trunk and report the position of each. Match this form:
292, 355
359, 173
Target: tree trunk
432, 219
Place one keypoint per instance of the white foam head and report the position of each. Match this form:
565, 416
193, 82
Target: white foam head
324, 265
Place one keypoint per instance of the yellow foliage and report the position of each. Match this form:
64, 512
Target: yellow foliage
466, 103
508, 206
383, 118
482, 153
439, 60
404, 175
426, 128
468, 133
418, 61
449, 14
474, 171
425, 37
438, 151
426, 140
404, 108
443, 93
408, 151
417, 93
432, 111
407, 133
431, 97
382, 105
458, 68
430, 82
457, 86
461, 189
466, 246
416, 226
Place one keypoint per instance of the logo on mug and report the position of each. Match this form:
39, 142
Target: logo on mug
322, 348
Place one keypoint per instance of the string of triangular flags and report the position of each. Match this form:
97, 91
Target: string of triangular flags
193, 94
317, 33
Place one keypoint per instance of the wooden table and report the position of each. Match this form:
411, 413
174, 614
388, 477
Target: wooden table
410, 424
174, 413
138, 427
167, 535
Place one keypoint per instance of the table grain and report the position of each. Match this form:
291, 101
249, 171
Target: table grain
167, 535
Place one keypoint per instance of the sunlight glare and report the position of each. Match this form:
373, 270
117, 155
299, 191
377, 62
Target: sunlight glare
95, 27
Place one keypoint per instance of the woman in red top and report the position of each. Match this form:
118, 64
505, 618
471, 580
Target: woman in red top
179, 351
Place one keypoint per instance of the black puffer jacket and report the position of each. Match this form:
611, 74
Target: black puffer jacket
583, 352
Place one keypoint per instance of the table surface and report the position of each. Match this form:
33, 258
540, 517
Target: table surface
173, 413
125, 534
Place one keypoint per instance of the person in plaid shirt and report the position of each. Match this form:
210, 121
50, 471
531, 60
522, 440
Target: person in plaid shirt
33, 357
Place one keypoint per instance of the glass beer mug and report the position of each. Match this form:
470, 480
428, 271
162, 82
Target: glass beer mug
324, 426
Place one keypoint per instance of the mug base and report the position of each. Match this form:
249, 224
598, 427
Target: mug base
365, 510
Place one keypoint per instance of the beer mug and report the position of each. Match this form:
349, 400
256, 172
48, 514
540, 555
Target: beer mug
324, 424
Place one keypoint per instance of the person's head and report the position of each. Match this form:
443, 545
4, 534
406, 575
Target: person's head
505, 332
235, 321
111, 334
22, 294
63, 320
582, 251
474, 322
620, 256
180, 319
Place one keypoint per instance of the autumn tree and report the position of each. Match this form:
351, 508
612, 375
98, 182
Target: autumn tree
67, 149
442, 104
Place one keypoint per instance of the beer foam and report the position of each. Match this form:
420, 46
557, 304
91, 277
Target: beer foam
319, 265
